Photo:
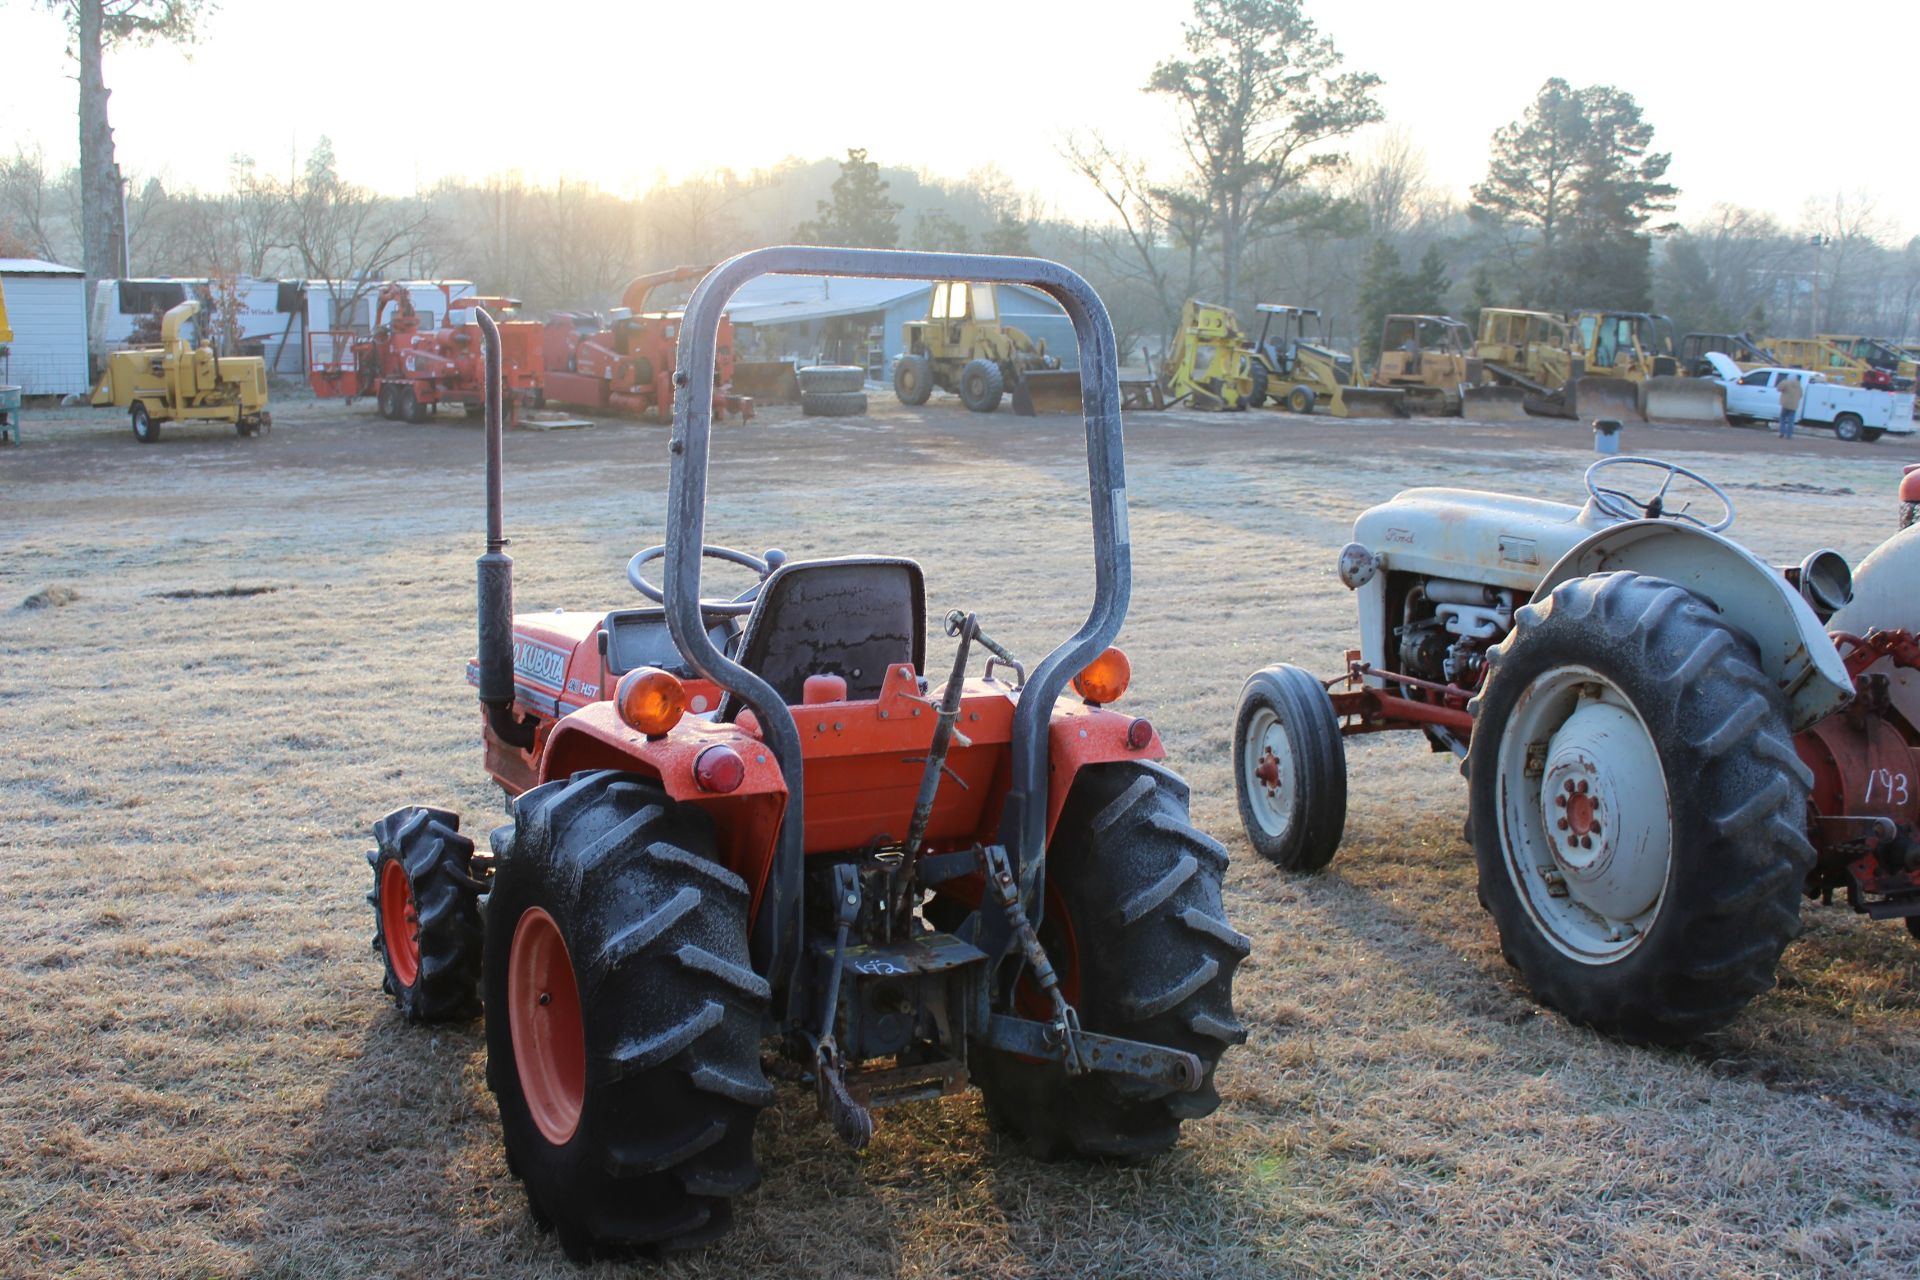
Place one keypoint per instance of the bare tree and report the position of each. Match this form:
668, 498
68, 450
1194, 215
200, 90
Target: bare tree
1157, 235
583, 247
1389, 182
1844, 236
1259, 94
29, 204
346, 235
96, 26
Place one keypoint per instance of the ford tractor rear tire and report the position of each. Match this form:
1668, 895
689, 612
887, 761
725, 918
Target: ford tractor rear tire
623, 1016
426, 914
1290, 769
1637, 809
1135, 929
981, 386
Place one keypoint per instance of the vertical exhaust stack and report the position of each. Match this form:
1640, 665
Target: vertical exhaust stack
494, 570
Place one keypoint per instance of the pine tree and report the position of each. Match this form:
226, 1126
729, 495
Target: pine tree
860, 216
1381, 282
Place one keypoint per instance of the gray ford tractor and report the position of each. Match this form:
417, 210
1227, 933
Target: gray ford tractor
1667, 741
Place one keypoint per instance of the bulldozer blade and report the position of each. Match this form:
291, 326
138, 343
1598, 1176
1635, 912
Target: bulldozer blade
1494, 404
770, 380
1368, 402
1669, 399
1047, 391
1432, 402
1592, 397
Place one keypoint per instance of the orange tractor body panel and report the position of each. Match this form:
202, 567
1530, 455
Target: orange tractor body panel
863, 759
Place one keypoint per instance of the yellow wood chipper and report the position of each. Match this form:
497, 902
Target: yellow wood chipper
179, 382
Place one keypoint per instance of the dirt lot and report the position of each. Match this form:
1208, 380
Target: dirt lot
261, 650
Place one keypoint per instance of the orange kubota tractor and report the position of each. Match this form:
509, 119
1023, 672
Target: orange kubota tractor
410, 371
764, 817
625, 362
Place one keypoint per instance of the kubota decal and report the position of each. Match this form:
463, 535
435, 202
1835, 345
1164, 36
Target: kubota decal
542, 664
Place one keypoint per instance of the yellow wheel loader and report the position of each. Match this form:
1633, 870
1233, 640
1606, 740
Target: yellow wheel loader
1208, 365
1430, 359
179, 382
1296, 367
962, 347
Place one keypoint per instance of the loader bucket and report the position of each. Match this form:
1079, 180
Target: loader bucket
1368, 402
1047, 391
1668, 399
770, 380
1591, 396
1494, 404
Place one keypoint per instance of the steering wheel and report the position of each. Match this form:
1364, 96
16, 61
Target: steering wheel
738, 607
1624, 506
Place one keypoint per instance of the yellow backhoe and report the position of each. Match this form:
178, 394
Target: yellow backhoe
1295, 366
179, 382
1208, 365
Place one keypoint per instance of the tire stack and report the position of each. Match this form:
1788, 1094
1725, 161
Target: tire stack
833, 391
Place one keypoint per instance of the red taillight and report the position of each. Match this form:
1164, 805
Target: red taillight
1139, 734
719, 768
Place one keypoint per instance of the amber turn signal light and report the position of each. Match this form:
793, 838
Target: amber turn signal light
1105, 678
650, 700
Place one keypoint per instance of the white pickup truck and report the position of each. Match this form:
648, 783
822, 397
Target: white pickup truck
1854, 413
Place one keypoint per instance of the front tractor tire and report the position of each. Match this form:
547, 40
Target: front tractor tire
1290, 769
1636, 809
1137, 932
981, 385
426, 915
623, 1017
913, 379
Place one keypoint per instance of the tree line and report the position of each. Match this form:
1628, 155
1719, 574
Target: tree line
1287, 186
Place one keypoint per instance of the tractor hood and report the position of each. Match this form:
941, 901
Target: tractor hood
1492, 538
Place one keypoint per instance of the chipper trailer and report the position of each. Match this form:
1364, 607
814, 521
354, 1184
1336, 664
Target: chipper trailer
180, 382
624, 363
410, 372
1667, 741
765, 819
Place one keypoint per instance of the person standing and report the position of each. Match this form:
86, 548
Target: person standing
1789, 404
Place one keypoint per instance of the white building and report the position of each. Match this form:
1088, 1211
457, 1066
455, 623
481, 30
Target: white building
47, 309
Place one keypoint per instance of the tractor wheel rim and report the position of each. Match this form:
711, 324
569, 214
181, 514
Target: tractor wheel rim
1267, 763
543, 1012
399, 922
1586, 826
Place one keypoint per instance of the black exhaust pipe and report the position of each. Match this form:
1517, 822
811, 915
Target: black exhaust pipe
494, 570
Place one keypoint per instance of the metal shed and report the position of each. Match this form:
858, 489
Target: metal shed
47, 308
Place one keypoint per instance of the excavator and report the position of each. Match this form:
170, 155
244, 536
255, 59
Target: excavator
1299, 369
625, 363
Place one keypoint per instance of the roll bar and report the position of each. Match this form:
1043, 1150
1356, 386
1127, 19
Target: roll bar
776, 941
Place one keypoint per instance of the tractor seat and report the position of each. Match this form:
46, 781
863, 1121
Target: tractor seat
853, 617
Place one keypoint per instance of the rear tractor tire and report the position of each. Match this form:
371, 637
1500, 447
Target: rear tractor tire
981, 386
426, 915
623, 1016
913, 379
1637, 809
1258, 396
1290, 769
1137, 932
833, 404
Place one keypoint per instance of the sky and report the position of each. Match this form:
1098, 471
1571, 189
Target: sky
624, 92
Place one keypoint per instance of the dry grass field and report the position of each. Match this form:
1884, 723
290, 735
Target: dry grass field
245, 652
